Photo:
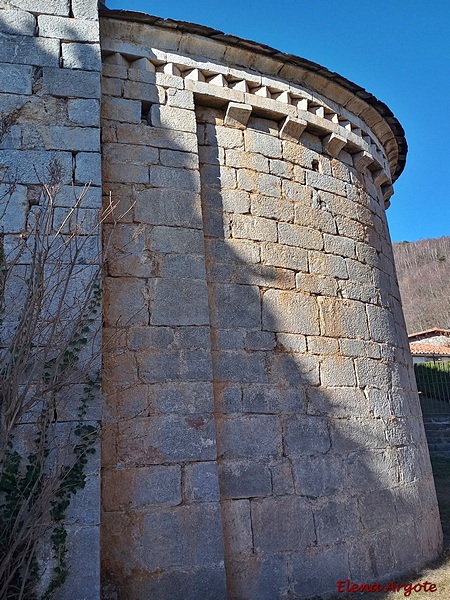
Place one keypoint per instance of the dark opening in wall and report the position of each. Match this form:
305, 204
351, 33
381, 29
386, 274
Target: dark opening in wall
145, 112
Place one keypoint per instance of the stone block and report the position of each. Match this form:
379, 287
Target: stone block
125, 173
84, 112
293, 369
306, 436
166, 439
372, 372
267, 145
137, 488
70, 138
244, 160
144, 338
31, 166
240, 366
237, 525
197, 365
158, 206
339, 245
112, 86
177, 240
180, 98
337, 521
320, 181
71, 84
235, 306
88, 168
328, 265
223, 137
318, 571
341, 318
179, 265
125, 301
15, 22
244, 479
258, 577
201, 482
120, 154
250, 436
172, 117
86, 587
282, 524
292, 128
182, 536
119, 109
333, 144
177, 583
337, 371
27, 50
289, 312
273, 399
68, 29
84, 9
357, 434
254, 228
301, 237
282, 478
182, 397
15, 208
237, 115
180, 302
260, 340
273, 208
172, 158
232, 201
81, 56
381, 324
318, 476
174, 179
51, 7
15, 79
228, 339
291, 342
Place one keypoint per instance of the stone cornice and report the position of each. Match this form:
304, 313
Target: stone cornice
275, 83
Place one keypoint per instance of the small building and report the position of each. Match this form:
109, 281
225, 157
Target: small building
430, 345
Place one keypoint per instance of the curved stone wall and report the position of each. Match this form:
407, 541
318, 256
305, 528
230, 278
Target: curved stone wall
263, 438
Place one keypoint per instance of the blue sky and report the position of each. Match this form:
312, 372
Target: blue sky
399, 50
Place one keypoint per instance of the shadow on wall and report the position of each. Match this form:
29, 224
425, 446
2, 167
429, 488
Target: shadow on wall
55, 114
245, 424
252, 421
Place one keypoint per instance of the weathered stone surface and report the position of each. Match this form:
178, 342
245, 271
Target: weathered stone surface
236, 306
81, 56
251, 436
15, 79
244, 479
290, 312
71, 84
68, 29
281, 524
179, 302
201, 482
184, 535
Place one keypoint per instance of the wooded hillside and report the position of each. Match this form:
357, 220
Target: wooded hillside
423, 270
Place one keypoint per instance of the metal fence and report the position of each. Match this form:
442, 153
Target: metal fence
433, 383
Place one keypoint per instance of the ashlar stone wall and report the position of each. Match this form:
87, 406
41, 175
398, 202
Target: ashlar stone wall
263, 437
50, 86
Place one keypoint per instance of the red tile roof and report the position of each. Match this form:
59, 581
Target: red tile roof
419, 349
